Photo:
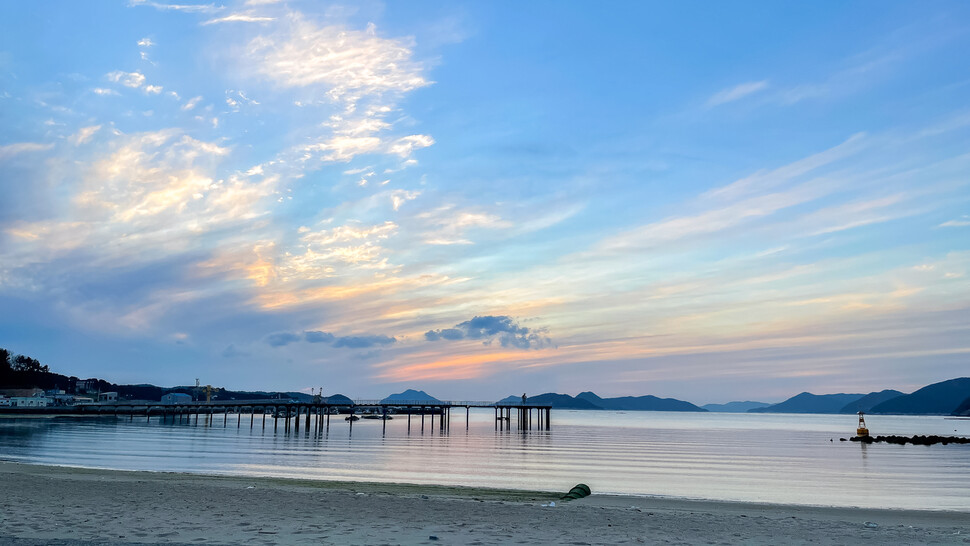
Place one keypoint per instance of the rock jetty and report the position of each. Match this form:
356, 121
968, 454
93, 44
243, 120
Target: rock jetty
915, 440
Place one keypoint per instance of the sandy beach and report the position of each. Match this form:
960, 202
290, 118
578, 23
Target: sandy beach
58, 505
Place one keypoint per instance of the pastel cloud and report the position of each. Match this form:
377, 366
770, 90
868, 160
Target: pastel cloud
345, 61
144, 196
504, 328
318, 337
461, 367
448, 226
363, 342
310, 209
328, 252
360, 75
282, 339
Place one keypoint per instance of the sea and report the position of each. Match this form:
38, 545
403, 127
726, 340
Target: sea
772, 458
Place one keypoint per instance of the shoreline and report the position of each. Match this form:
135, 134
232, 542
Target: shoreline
462, 491
80, 506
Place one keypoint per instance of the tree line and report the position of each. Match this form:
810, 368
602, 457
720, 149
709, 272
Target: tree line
23, 372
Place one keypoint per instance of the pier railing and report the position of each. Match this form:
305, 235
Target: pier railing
455, 403
320, 410
322, 402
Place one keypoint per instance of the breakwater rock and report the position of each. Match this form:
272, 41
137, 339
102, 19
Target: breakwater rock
915, 440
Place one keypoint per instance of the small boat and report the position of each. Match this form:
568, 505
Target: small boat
378, 416
351, 418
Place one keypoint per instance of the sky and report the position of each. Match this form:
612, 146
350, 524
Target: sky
705, 201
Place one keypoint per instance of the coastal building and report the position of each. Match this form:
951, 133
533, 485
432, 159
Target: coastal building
29, 402
86, 385
175, 398
63, 399
4, 401
108, 397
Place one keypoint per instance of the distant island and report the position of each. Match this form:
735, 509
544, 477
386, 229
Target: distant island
735, 407
411, 395
24, 377
950, 397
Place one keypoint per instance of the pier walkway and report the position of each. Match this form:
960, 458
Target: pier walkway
315, 414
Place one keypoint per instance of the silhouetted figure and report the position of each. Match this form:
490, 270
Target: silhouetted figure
523, 399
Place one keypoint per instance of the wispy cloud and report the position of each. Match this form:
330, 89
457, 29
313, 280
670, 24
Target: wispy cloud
17, 148
187, 8
448, 226
191, 103
964, 221
712, 221
768, 179
240, 18
84, 134
737, 92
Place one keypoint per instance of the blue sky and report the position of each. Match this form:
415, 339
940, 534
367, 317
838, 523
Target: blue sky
707, 201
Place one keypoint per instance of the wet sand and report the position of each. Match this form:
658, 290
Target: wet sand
70, 506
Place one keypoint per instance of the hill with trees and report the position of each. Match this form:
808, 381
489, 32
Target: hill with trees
867, 402
941, 398
807, 402
23, 372
735, 407
638, 403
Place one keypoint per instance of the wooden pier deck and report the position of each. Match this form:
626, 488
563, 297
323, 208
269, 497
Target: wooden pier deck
311, 415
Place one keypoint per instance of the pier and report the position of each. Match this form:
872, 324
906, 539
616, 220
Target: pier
291, 415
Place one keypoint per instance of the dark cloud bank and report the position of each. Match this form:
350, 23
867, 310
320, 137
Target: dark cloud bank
312, 336
489, 328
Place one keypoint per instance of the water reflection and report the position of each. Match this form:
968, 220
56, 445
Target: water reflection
774, 458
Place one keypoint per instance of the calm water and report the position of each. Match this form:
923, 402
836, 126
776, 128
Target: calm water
756, 457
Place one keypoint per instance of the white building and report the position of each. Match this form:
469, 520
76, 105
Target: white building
86, 385
4, 401
175, 398
108, 397
29, 401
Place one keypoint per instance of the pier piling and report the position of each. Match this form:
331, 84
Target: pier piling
317, 414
